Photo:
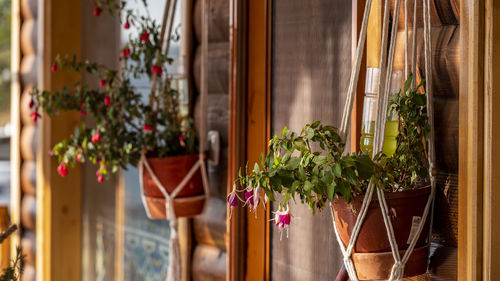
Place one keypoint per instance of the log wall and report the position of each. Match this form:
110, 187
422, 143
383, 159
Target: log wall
28, 132
210, 238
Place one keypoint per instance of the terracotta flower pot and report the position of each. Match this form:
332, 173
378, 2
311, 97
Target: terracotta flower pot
170, 172
372, 252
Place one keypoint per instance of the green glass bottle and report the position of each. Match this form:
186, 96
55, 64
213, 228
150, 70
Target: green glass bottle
370, 111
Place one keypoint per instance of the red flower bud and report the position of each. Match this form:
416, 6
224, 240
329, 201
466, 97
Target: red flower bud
96, 137
103, 82
54, 67
144, 36
32, 103
126, 52
126, 25
97, 11
79, 158
147, 128
83, 112
181, 138
34, 116
107, 101
62, 170
156, 69
51, 153
100, 177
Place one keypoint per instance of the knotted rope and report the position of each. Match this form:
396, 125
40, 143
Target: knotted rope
397, 271
174, 268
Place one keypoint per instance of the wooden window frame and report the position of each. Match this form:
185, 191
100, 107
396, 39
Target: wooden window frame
479, 125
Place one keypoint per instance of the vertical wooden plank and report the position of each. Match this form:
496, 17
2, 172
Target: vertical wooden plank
15, 94
237, 120
471, 140
59, 205
258, 118
491, 212
358, 7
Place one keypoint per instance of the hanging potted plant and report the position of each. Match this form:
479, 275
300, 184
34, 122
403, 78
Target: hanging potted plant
311, 168
152, 135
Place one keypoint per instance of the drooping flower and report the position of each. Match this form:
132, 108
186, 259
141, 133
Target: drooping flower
96, 137
79, 158
34, 116
282, 219
103, 82
257, 197
156, 69
62, 170
249, 196
100, 177
97, 11
31, 104
107, 101
147, 128
126, 25
181, 141
83, 112
126, 52
144, 36
232, 200
54, 67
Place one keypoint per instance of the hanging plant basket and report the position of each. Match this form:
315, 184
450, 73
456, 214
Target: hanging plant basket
372, 255
171, 171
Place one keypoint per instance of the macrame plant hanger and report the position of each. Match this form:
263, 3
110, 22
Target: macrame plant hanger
386, 66
174, 268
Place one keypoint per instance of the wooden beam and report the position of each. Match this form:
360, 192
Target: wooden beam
15, 95
471, 140
358, 8
237, 127
59, 200
491, 197
258, 130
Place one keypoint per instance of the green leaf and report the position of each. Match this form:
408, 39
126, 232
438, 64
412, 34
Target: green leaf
331, 190
337, 170
293, 163
256, 168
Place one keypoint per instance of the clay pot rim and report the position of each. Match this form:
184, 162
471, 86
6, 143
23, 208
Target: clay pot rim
417, 192
173, 158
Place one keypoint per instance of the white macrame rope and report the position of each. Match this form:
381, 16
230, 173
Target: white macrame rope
346, 117
397, 270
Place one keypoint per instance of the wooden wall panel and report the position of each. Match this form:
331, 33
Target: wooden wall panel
209, 258
311, 63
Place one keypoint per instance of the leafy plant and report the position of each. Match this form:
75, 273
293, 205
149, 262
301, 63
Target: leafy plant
312, 165
408, 165
15, 269
125, 124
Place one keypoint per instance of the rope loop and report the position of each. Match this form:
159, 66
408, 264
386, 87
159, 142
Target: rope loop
397, 271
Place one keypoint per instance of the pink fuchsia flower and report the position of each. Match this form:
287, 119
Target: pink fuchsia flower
257, 197
282, 219
181, 141
100, 177
103, 82
232, 200
79, 158
83, 112
156, 69
107, 101
126, 52
31, 104
144, 37
34, 116
96, 137
249, 193
147, 128
97, 11
126, 25
62, 170
54, 67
